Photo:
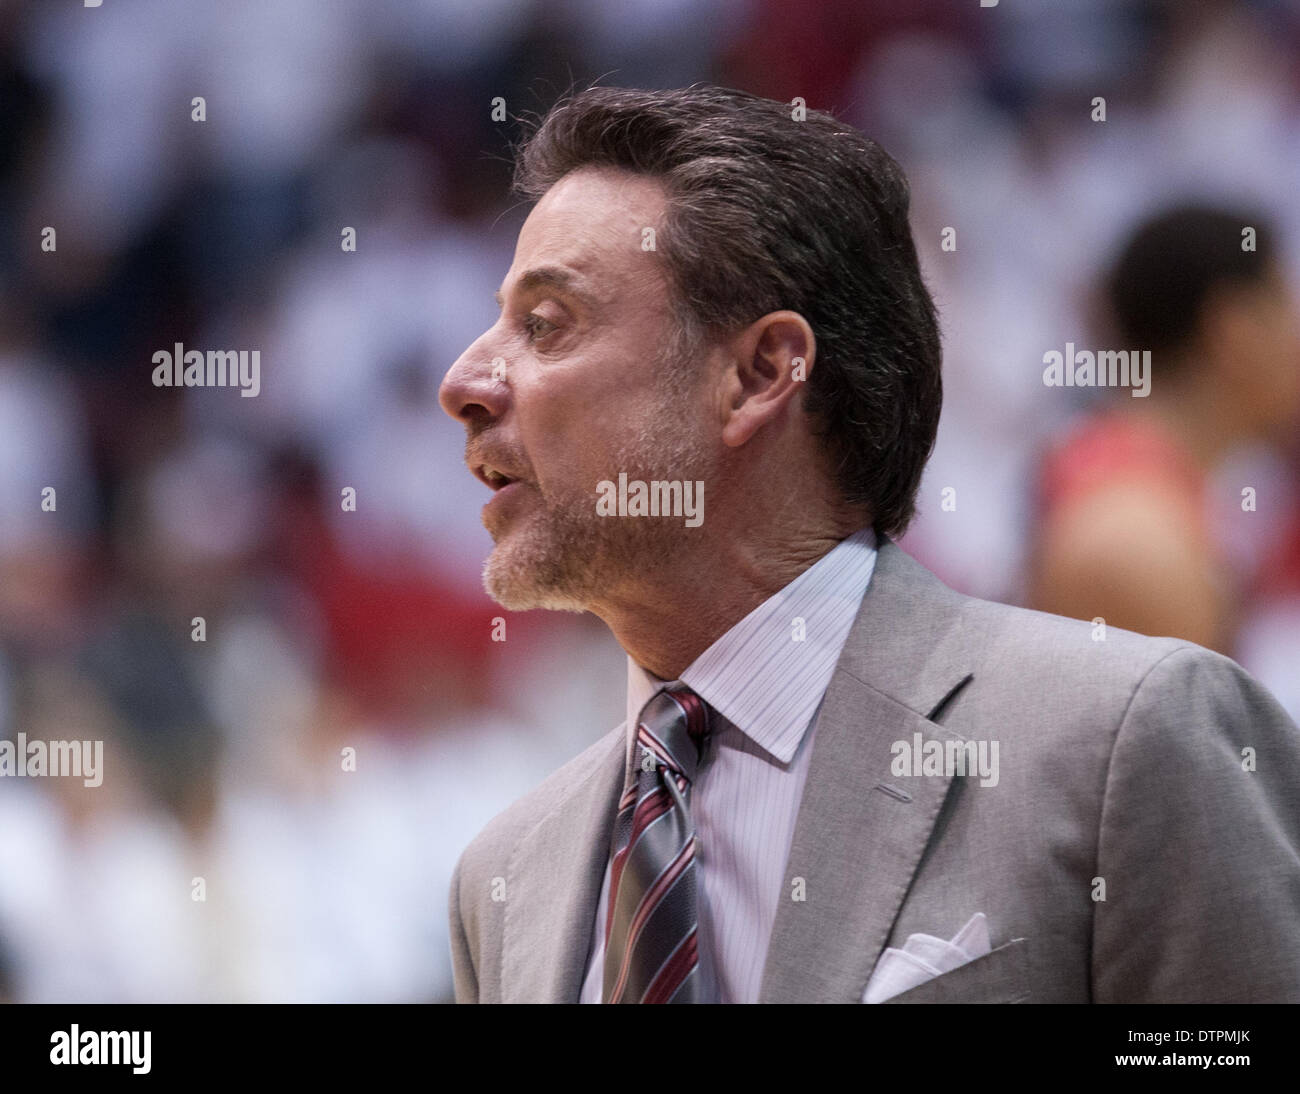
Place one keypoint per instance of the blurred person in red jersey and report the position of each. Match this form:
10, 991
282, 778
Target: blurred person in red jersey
1123, 531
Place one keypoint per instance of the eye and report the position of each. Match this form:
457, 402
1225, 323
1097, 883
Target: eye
537, 326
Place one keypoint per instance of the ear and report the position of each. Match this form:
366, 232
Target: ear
768, 364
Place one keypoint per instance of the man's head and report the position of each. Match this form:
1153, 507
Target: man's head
706, 290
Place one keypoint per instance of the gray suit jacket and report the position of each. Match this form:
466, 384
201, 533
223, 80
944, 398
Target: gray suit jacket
1122, 774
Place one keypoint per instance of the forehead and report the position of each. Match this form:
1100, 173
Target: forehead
592, 222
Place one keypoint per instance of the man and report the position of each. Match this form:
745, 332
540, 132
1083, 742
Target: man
839, 780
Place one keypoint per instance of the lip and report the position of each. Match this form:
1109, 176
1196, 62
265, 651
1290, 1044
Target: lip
502, 495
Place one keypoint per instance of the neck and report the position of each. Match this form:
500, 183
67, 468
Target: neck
667, 619
1199, 418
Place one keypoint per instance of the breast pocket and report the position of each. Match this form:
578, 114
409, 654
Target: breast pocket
999, 976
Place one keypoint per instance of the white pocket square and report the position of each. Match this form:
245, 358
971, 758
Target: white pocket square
923, 957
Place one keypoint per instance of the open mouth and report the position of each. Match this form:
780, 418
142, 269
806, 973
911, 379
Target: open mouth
494, 478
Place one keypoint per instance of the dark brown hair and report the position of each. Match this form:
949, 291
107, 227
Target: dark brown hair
765, 212
1173, 262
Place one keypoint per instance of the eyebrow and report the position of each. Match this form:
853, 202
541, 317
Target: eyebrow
556, 277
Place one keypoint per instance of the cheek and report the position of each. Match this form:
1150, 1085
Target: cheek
577, 420
564, 439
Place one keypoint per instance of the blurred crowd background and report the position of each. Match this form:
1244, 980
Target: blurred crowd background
328, 629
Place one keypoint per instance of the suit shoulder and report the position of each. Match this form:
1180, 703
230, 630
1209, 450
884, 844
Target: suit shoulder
1058, 651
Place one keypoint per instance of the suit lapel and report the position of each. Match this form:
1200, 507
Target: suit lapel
553, 883
861, 831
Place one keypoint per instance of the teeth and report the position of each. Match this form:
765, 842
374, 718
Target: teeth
493, 475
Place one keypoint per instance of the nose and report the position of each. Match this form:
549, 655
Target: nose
473, 391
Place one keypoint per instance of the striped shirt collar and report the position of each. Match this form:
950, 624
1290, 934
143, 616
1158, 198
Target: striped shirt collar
767, 675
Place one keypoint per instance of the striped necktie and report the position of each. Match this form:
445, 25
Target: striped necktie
651, 929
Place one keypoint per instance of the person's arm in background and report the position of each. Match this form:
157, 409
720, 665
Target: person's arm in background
1131, 555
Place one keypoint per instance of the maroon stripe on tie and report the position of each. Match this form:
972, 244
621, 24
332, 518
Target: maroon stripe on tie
648, 740
697, 720
648, 810
649, 902
675, 970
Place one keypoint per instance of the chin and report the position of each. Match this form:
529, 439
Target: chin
521, 580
